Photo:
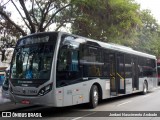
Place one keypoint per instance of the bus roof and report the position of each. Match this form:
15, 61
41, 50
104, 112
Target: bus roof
110, 46
119, 48
125, 49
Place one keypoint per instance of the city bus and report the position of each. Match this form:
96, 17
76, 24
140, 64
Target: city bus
60, 69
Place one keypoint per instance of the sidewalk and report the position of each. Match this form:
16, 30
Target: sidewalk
3, 100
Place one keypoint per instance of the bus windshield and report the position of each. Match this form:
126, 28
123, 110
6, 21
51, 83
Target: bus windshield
32, 58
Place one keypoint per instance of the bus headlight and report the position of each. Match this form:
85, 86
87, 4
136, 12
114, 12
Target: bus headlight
45, 90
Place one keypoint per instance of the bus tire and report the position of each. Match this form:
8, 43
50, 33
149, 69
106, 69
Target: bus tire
94, 96
144, 88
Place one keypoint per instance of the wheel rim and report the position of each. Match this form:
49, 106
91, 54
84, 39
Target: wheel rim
95, 95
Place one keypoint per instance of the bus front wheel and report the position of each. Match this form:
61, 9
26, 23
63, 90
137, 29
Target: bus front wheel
94, 96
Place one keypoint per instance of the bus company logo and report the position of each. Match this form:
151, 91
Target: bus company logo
20, 115
6, 114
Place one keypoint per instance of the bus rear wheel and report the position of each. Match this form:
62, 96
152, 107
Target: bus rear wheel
94, 97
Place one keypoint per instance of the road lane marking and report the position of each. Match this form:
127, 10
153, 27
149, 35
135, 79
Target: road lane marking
146, 96
123, 103
156, 88
83, 116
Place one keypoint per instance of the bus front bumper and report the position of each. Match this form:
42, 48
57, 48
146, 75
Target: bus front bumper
47, 100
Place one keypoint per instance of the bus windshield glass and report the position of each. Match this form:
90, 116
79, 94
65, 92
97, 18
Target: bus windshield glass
33, 56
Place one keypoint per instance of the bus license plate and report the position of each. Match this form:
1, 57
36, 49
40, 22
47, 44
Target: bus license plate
25, 102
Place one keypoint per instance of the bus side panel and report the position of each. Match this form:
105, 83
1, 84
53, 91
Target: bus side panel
75, 94
105, 84
150, 83
155, 82
59, 97
80, 93
128, 82
141, 81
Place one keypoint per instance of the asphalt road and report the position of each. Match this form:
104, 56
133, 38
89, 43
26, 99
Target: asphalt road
134, 105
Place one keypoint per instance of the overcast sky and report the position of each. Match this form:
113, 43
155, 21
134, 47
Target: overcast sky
153, 5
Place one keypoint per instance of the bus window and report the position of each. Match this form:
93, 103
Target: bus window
147, 67
67, 63
68, 60
106, 67
91, 60
128, 67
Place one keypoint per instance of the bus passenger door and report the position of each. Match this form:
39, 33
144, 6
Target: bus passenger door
112, 66
120, 73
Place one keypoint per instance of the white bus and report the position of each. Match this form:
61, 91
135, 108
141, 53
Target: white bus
62, 69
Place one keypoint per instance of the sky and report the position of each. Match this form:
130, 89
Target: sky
153, 5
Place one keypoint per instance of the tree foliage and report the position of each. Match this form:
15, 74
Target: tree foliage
8, 33
37, 15
106, 18
148, 35
118, 21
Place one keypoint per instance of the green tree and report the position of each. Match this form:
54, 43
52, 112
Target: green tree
111, 19
148, 35
37, 15
9, 33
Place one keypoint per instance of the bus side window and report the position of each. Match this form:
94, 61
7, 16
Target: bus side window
128, 66
91, 60
68, 63
73, 60
62, 58
147, 67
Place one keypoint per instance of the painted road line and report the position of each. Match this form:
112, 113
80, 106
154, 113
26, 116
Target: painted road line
146, 96
123, 103
156, 88
77, 118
